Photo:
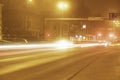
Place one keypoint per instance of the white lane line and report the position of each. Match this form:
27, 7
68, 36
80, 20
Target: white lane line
17, 67
27, 56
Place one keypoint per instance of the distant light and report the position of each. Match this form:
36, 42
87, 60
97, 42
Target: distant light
99, 34
80, 36
76, 36
111, 35
116, 22
48, 35
84, 38
84, 26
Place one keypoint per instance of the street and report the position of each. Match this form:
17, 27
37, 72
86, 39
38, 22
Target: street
59, 40
90, 63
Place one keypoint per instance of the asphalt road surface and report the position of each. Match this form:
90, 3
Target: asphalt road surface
93, 63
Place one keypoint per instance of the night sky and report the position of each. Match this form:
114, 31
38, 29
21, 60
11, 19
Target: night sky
77, 8
85, 8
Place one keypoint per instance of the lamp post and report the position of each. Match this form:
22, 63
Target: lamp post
62, 6
99, 36
84, 30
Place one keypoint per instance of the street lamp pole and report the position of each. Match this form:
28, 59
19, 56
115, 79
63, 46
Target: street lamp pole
84, 30
62, 6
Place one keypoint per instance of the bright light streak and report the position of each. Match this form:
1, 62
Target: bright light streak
63, 44
91, 45
27, 46
60, 44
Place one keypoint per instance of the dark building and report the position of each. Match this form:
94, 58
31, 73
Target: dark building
91, 27
24, 19
20, 21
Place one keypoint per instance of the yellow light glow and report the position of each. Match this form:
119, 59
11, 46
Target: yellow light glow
62, 5
84, 26
76, 36
30, 0
111, 35
99, 34
116, 22
84, 37
63, 44
48, 35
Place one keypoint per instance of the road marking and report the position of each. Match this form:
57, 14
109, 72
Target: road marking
16, 67
28, 64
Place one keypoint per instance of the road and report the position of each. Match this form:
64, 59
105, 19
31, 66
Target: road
91, 63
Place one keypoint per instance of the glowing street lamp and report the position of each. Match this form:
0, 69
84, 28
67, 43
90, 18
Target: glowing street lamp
30, 0
62, 6
111, 35
99, 36
84, 30
84, 26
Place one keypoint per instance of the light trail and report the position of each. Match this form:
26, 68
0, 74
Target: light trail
91, 45
26, 46
49, 46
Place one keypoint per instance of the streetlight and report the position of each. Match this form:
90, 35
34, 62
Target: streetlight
99, 35
111, 35
30, 0
62, 6
84, 26
84, 30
